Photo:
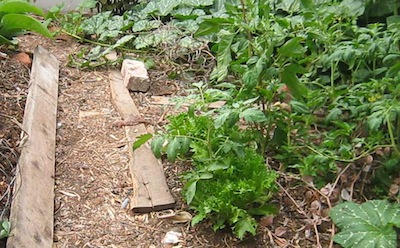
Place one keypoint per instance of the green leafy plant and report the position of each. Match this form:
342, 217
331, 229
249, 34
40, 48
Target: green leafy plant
5, 229
370, 224
15, 19
230, 182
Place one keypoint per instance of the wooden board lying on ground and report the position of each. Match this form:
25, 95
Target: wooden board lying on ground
33, 196
150, 187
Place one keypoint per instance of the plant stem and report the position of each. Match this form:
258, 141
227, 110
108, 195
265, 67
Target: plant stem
249, 36
98, 43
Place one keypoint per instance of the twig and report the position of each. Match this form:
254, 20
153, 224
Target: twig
302, 212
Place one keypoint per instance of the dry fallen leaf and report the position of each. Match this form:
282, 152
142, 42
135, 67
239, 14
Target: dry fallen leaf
280, 231
345, 195
23, 58
394, 190
267, 221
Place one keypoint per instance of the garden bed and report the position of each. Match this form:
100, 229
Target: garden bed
92, 177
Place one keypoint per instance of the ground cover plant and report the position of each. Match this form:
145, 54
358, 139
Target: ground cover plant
310, 89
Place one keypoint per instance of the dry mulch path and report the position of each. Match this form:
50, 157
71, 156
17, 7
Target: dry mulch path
92, 177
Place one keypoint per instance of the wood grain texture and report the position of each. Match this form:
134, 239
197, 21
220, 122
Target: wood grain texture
151, 191
33, 196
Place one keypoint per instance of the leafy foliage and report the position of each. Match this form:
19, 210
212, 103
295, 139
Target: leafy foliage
312, 85
15, 19
5, 229
229, 183
367, 225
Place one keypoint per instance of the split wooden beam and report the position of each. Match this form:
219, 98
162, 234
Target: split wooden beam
151, 192
33, 195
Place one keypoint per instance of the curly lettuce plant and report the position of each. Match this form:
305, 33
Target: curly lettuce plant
15, 19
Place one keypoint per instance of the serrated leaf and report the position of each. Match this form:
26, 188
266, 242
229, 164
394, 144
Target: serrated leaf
366, 225
221, 119
253, 115
157, 145
141, 140
292, 48
212, 26
244, 225
289, 77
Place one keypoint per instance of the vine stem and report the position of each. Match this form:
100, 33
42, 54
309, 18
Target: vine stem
96, 42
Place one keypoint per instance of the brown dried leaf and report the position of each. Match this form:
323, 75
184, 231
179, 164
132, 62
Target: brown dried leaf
280, 231
345, 195
394, 190
267, 220
23, 58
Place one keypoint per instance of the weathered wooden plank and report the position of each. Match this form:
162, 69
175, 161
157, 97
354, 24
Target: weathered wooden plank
33, 196
151, 190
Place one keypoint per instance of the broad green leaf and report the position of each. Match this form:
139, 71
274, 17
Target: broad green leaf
224, 56
14, 23
299, 107
4, 40
190, 191
19, 7
87, 4
394, 70
119, 43
354, 7
6, 225
292, 48
289, 77
5, 229
212, 26
197, 3
164, 7
253, 115
141, 140
221, 119
334, 114
246, 224
367, 225
157, 145
173, 148
95, 24
393, 20
185, 145
145, 25
375, 120
217, 166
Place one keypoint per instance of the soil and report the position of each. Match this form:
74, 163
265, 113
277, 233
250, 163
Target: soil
92, 177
